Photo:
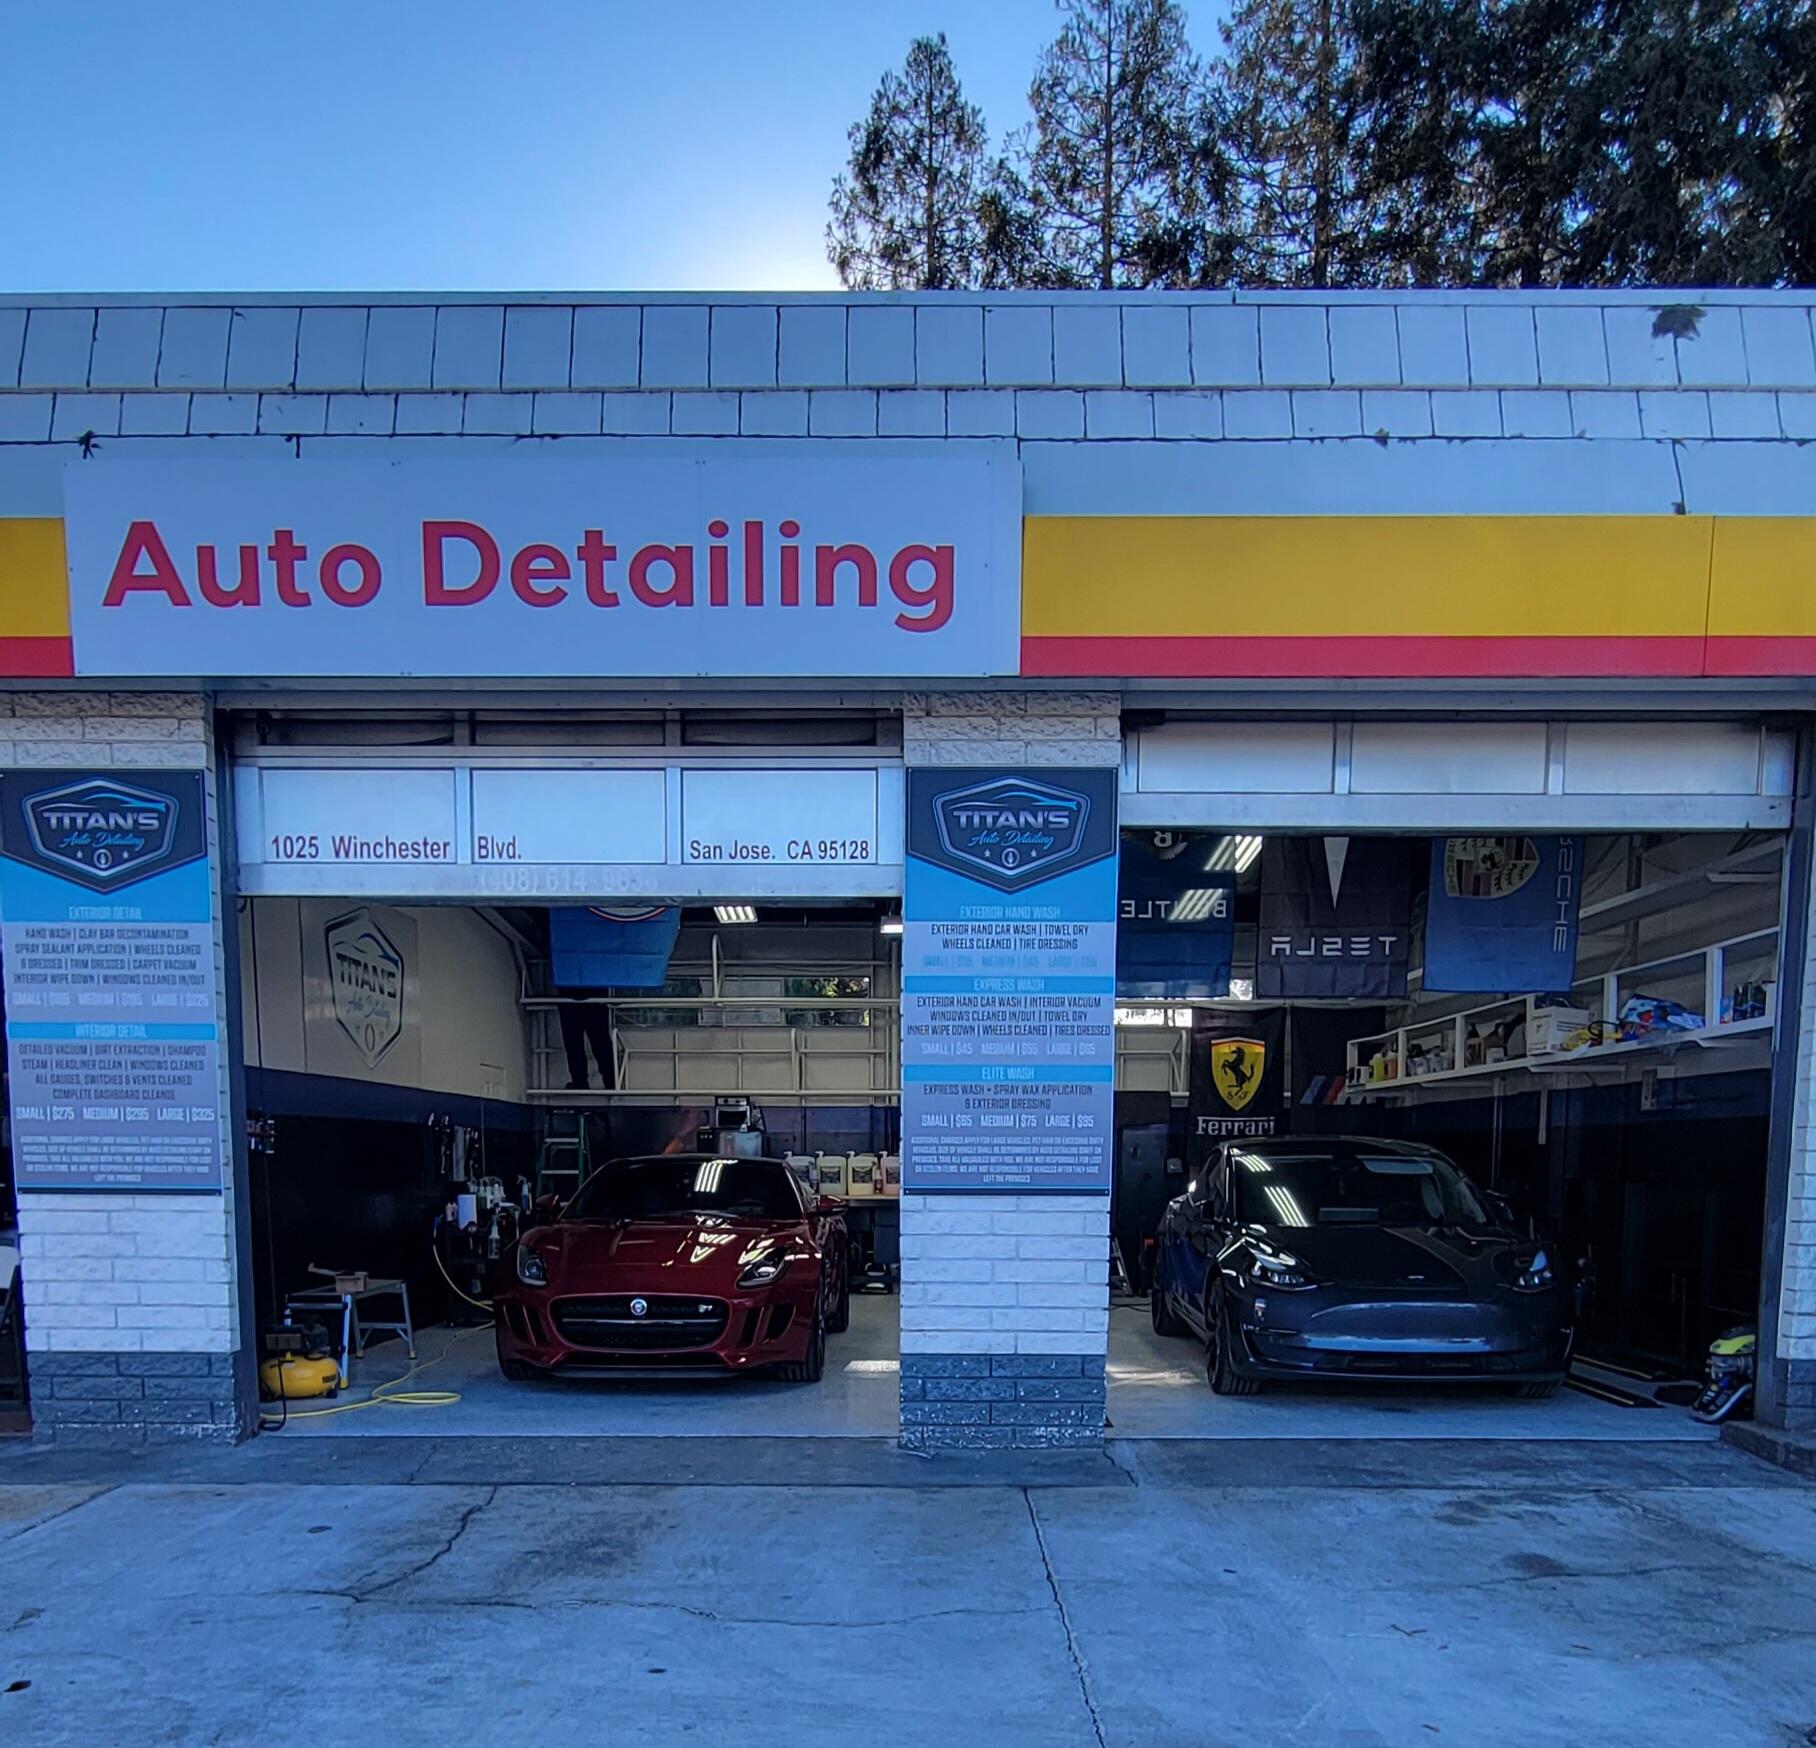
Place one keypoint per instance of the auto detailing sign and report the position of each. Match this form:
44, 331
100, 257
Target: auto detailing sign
535, 566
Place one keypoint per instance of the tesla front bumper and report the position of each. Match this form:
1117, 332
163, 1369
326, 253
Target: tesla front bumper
1515, 1337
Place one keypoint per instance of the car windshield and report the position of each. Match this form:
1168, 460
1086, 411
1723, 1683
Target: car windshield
1350, 1187
654, 1189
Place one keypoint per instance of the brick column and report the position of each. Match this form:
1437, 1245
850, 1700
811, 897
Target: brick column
1006, 1299
132, 1302
1796, 1343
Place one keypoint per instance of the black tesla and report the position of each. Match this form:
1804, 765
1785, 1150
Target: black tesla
1353, 1258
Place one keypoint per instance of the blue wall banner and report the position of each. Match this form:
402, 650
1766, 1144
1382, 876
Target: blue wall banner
112, 1038
612, 946
1336, 918
1009, 981
1176, 918
1501, 917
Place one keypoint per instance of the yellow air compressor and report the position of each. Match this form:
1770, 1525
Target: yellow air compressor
292, 1377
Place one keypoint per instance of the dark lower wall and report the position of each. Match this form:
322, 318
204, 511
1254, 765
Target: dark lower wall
1668, 1203
352, 1177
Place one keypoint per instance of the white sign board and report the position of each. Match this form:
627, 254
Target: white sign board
570, 816
341, 817
791, 565
794, 817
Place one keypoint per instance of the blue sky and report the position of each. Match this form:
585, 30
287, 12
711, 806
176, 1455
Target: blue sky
374, 145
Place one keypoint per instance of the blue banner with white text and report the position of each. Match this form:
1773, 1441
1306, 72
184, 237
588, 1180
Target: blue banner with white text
1501, 918
607, 947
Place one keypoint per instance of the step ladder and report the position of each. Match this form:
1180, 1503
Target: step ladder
1119, 1273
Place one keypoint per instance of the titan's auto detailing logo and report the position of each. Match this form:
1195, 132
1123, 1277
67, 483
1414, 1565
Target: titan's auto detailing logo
1488, 867
1236, 1065
366, 974
1011, 830
101, 833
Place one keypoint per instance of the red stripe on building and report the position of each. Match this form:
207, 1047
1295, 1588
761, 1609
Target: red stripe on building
1760, 655
37, 658
1194, 658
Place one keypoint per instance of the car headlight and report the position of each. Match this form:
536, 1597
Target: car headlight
1535, 1275
766, 1270
531, 1269
1278, 1271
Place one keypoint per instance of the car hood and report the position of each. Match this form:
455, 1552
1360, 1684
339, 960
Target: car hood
695, 1253
1421, 1258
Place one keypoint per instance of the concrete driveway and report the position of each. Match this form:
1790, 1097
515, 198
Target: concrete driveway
785, 1592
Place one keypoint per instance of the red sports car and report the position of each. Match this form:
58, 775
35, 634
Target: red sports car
683, 1263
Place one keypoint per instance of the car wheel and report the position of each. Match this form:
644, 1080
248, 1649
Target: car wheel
518, 1372
1541, 1391
812, 1366
1225, 1380
1166, 1319
838, 1320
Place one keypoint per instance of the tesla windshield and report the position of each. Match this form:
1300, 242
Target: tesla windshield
655, 1189
1350, 1186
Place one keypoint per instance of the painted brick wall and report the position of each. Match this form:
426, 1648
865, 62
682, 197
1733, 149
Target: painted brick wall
1797, 1293
1006, 1299
132, 1308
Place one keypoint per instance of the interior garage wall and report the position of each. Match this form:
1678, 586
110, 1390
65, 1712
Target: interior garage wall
348, 1168
463, 1029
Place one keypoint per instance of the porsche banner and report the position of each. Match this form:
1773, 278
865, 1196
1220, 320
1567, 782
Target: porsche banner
1238, 1079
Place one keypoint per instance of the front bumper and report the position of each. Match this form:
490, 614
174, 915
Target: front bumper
1514, 1338
572, 1332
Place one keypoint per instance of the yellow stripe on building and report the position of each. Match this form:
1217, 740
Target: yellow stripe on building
1366, 576
34, 587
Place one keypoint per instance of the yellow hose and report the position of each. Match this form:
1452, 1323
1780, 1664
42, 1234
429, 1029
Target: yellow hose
387, 1393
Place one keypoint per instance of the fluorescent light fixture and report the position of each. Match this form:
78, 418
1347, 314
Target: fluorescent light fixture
890, 925
735, 913
1242, 989
1152, 1017
1247, 849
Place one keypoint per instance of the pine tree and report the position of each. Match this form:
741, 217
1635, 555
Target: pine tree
1120, 172
1287, 82
905, 213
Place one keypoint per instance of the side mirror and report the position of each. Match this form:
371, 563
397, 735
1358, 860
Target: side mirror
1502, 1209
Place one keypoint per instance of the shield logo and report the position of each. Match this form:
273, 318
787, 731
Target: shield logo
639, 1307
1488, 867
366, 975
1236, 1065
101, 833
1011, 830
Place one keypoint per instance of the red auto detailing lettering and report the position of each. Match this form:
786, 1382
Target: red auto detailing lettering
463, 563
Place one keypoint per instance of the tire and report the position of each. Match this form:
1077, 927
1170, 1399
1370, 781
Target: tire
1541, 1391
1166, 1319
1224, 1379
838, 1320
812, 1366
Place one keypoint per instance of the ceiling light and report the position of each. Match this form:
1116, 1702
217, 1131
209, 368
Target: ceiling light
1247, 849
735, 913
891, 925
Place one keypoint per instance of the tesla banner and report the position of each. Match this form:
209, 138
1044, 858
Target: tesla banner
1238, 1077
1336, 919
111, 1036
1009, 981
1501, 918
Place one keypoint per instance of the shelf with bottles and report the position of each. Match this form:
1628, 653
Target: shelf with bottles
1657, 1004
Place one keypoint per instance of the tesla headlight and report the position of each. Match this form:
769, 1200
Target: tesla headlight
766, 1270
1279, 1271
1535, 1275
531, 1269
